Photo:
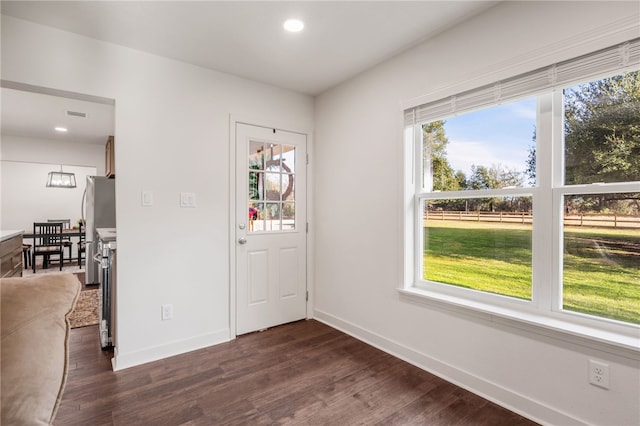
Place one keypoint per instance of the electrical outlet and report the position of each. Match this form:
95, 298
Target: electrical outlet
599, 374
167, 312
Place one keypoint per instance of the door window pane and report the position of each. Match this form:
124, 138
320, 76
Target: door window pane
272, 183
479, 243
272, 217
289, 158
256, 155
271, 178
256, 216
287, 188
601, 261
256, 185
272, 155
288, 216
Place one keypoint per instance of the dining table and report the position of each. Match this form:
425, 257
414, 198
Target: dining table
65, 232
68, 232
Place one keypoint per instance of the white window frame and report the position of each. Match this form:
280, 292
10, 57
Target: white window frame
544, 310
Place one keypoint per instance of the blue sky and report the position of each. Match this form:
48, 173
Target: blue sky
498, 135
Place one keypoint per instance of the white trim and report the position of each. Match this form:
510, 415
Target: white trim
311, 229
542, 260
514, 401
233, 120
176, 347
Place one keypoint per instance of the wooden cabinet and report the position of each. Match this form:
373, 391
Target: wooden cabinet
110, 158
11, 257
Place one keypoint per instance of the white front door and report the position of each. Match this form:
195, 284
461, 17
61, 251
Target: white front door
271, 287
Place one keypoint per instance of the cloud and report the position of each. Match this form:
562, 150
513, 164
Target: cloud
463, 154
523, 110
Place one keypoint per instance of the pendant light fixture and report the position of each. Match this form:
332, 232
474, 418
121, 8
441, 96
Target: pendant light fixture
61, 179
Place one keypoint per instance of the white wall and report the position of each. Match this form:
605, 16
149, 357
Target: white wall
172, 135
24, 198
358, 257
33, 150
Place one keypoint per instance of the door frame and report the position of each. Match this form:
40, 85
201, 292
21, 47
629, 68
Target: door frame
235, 119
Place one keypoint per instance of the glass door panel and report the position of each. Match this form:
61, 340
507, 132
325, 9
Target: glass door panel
271, 178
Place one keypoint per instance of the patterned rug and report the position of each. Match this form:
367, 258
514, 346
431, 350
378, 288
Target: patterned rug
86, 310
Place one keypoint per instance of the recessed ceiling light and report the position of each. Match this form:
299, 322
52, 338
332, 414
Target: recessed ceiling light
61, 129
293, 25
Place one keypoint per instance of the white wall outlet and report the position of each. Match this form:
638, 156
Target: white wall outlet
599, 374
187, 199
167, 312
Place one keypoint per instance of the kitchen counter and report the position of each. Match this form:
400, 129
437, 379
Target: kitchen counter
107, 237
11, 253
6, 234
106, 234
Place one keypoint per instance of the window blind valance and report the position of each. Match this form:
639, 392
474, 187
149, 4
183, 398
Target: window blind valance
615, 58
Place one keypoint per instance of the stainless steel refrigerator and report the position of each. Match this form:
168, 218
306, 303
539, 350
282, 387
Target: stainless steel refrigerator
99, 211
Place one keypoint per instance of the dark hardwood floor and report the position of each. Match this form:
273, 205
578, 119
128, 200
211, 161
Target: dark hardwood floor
299, 373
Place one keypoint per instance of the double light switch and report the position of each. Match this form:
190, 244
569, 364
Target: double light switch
187, 199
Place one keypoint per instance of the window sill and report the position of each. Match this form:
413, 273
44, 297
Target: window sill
607, 341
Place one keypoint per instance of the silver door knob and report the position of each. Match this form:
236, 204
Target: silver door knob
242, 241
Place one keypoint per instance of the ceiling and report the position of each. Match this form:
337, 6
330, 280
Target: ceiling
340, 40
36, 115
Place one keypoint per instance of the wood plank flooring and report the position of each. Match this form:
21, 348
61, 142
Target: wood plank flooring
303, 373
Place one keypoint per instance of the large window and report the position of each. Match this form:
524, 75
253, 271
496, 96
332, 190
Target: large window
477, 216
601, 230
533, 202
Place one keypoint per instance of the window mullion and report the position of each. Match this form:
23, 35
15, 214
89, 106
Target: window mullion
417, 207
557, 204
542, 257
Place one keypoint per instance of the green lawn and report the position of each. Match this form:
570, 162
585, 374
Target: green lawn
601, 266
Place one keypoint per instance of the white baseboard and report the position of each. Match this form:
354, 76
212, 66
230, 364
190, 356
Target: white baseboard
523, 405
121, 361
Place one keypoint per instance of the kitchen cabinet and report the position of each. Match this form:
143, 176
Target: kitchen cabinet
110, 159
11, 254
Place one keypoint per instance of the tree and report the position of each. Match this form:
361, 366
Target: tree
494, 177
435, 153
483, 177
602, 130
461, 178
530, 171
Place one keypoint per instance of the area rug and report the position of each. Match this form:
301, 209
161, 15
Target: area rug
86, 310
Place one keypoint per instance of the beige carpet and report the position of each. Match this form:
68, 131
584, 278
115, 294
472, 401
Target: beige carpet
86, 310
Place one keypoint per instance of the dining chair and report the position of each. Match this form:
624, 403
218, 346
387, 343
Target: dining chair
26, 253
66, 240
47, 241
81, 247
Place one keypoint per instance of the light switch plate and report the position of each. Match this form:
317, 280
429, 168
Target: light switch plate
147, 198
187, 199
